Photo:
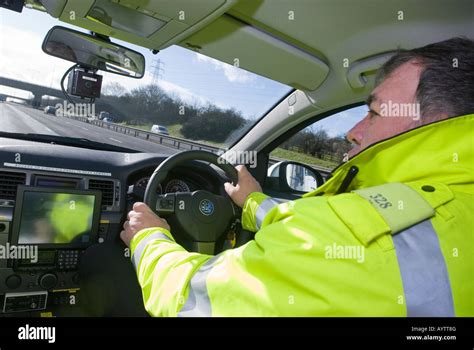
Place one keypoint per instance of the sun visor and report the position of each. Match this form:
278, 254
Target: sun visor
54, 7
236, 43
154, 24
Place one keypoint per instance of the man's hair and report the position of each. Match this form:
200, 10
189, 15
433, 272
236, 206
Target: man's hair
446, 85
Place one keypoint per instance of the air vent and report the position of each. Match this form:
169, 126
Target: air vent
107, 189
9, 182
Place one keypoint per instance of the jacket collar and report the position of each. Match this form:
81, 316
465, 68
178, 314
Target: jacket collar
442, 152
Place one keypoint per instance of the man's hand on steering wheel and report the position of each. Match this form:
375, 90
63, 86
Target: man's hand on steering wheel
139, 218
142, 216
245, 185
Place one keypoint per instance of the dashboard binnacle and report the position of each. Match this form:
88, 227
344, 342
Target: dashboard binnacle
173, 185
182, 179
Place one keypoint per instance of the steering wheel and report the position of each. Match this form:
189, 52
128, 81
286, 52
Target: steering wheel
202, 216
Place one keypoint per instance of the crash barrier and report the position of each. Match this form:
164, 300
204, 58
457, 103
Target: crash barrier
174, 142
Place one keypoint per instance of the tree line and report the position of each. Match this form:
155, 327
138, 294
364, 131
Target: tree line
150, 104
317, 143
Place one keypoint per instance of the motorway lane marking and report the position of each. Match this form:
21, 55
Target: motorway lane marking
84, 128
142, 145
32, 121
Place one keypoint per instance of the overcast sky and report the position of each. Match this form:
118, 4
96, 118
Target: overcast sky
191, 76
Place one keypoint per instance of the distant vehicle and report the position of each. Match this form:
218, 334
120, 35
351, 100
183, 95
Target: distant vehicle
103, 115
159, 129
108, 120
50, 110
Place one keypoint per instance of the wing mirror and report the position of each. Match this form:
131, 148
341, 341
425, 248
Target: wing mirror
293, 177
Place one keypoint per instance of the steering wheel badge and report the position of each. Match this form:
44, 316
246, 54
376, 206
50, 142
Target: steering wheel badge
206, 207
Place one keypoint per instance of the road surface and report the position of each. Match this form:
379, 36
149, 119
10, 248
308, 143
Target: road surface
23, 119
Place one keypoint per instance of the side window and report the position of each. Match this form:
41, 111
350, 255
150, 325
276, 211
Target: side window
322, 145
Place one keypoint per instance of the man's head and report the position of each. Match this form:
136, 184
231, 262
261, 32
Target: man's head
417, 87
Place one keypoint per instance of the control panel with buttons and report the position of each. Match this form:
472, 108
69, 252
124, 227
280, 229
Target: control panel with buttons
16, 302
68, 259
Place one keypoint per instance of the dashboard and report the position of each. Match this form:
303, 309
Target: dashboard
62, 200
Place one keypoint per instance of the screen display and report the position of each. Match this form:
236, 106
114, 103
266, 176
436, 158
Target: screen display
53, 182
56, 218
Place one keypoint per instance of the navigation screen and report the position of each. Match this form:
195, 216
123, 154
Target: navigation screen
56, 218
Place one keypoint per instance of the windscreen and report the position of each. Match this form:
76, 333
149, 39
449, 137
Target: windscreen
56, 218
198, 99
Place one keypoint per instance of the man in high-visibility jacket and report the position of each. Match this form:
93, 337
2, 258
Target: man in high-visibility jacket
390, 234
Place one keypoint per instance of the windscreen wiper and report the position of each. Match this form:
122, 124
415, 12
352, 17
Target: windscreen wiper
67, 141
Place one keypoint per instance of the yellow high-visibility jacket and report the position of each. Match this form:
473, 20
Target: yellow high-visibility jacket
398, 242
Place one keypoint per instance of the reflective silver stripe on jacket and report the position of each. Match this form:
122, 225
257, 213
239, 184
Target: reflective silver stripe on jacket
423, 270
265, 207
137, 254
198, 303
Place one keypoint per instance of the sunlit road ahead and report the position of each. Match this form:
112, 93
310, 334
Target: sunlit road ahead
22, 119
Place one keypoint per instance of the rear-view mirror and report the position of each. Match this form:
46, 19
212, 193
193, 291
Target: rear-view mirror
93, 52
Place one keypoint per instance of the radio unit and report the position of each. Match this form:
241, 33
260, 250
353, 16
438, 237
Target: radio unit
58, 260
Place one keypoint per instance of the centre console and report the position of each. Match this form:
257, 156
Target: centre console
49, 231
